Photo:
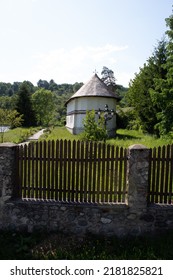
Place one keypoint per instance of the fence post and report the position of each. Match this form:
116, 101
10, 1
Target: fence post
8, 171
138, 177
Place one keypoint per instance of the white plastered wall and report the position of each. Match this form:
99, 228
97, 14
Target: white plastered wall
77, 108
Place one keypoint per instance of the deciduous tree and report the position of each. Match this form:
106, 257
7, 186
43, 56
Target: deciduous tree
9, 118
44, 103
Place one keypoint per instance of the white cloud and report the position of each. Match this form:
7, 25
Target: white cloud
76, 64
124, 78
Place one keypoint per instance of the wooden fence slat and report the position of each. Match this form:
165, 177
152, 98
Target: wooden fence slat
41, 171
98, 173
25, 193
107, 188
69, 172
162, 175
85, 181
116, 175
82, 173
90, 155
32, 170
57, 171
73, 171
48, 170
112, 174
167, 172
170, 187
36, 171
94, 183
120, 175
28, 169
157, 187
103, 173
77, 171
53, 171
44, 170
65, 171
61, 170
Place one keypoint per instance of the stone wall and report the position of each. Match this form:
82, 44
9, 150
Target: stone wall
134, 217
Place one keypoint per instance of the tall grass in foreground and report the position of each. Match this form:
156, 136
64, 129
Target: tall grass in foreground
124, 138
57, 246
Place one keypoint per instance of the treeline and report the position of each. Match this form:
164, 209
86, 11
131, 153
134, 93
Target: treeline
149, 100
43, 104
8, 89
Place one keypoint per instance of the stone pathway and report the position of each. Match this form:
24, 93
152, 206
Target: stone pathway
34, 137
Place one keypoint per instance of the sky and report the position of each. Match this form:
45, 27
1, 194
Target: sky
67, 40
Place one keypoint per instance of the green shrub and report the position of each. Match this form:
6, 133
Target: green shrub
94, 130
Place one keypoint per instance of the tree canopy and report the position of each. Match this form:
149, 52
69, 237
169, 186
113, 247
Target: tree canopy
162, 94
44, 104
24, 105
139, 93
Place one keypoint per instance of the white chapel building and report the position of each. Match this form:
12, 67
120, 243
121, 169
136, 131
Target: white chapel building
93, 95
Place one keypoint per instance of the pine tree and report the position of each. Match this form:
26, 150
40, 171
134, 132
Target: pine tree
139, 94
94, 130
24, 106
162, 95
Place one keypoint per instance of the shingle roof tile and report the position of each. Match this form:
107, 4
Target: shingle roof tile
94, 87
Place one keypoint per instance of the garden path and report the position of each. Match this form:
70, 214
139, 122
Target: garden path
34, 137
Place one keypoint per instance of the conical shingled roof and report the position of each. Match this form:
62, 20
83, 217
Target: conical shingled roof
94, 87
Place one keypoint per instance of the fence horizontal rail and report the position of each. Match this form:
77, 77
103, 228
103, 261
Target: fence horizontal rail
72, 159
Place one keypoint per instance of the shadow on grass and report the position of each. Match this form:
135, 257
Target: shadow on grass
59, 246
126, 137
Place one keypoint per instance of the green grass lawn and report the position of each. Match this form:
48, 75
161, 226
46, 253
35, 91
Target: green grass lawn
58, 246
124, 138
18, 135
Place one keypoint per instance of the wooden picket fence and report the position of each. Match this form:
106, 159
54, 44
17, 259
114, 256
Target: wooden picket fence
77, 171
161, 175
72, 171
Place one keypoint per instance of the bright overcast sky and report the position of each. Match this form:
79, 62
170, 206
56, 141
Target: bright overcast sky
66, 40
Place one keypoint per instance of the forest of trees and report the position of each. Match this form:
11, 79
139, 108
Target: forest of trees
150, 95
43, 104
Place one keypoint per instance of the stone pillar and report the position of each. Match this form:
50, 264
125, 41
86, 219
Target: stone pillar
8, 171
137, 172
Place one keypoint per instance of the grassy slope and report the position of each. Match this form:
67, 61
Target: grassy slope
124, 138
18, 135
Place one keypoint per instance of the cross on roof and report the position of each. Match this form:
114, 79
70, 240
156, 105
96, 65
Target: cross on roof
95, 71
